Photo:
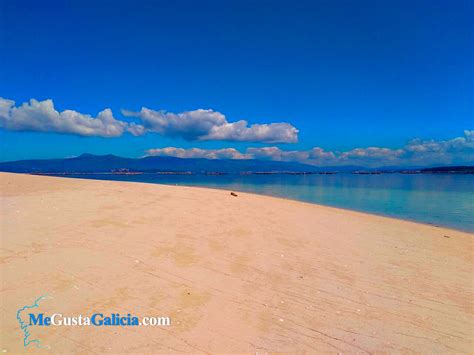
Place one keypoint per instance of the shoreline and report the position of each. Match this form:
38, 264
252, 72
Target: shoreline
464, 230
234, 274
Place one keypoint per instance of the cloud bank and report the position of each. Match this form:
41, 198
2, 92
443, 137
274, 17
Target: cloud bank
205, 125
458, 150
197, 125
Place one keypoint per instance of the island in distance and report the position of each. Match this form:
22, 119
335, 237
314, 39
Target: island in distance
89, 163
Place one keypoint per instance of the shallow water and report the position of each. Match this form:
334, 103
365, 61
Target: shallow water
440, 199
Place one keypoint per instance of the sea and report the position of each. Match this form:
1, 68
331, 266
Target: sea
437, 199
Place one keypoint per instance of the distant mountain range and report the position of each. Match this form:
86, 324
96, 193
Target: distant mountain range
89, 163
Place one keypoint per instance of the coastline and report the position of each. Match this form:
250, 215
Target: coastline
224, 188
245, 273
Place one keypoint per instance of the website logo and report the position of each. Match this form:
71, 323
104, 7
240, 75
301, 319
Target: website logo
27, 320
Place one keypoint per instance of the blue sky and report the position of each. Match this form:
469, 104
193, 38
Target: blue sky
346, 75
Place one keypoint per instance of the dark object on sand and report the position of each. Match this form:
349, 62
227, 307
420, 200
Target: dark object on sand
233, 194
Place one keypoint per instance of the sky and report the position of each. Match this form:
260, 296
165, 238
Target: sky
334, 82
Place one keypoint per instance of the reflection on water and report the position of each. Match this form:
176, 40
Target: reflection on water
441, 199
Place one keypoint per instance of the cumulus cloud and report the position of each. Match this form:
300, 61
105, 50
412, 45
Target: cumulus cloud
372, 154
225, 153
201, 125
41, 116
452, 145
265, 133
459, 150
275, 153
204, 125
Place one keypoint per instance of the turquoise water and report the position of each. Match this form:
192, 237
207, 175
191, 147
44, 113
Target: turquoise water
441, 199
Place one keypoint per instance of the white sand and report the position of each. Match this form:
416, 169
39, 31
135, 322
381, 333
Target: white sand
235, 274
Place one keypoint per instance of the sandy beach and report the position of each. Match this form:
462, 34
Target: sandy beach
234, 274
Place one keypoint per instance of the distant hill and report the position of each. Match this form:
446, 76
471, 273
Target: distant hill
89, 163
450, 169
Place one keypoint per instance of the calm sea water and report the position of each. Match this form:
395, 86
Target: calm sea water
443, 199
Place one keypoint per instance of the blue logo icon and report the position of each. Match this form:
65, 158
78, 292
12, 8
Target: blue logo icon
25, 327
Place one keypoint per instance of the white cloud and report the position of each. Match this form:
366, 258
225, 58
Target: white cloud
453, 151
275, 153
372, 153
226, 153
452, 145
190, 124
41, 116
320, 155
202, 125
240, 131
458, 150
207, 125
